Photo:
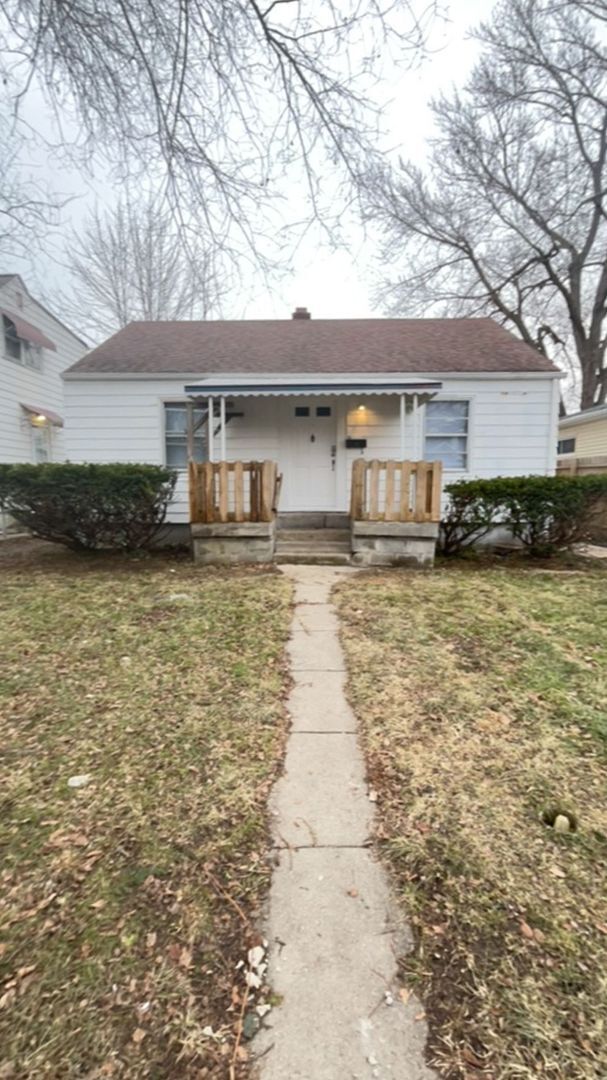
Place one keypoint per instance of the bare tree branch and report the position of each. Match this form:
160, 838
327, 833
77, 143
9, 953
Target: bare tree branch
216, 99
130, 264
510, 216
27, 210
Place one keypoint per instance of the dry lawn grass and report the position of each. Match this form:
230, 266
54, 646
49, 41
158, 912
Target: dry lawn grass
125, 904
482, 697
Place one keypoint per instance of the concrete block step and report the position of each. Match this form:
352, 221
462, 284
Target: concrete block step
313, 519
297, 547
314, 558
313, 536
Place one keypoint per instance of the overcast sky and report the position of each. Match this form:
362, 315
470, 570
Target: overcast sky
330, 283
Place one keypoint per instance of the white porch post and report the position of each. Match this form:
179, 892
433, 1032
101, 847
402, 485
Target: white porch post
211, 423
402, 426
222, 431
190, 429
417, 450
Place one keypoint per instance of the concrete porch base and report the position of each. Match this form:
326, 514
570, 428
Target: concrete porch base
232, 542
394, 543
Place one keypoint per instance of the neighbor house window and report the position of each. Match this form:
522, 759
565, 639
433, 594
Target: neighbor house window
16, 348
302, 410
176, 434
12, 343
447, 433
566, 446
323, 410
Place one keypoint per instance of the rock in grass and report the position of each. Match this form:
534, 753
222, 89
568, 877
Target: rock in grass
562, 823
79, 781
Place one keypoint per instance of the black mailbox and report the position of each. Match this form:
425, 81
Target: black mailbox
356, 444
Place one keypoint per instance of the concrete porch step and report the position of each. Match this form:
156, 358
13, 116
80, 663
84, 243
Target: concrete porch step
313, 519
314, 536
314, 557
301, 546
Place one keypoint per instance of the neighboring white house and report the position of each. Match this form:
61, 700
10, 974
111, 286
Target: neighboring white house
36, 350
313, 395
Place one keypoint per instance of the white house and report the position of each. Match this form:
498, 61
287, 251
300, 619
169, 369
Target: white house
314, 395
36, 349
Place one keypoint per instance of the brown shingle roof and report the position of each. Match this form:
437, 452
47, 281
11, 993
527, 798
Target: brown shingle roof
313, 346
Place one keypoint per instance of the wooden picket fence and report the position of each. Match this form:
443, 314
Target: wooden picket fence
582, 466
396, 490
233, 491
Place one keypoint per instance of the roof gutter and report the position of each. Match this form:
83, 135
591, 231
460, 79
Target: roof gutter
180, 376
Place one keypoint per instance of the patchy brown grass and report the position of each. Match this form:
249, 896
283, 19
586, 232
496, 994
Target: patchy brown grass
482, 700
127, 903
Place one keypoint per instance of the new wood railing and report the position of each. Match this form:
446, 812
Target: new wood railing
396, 490
233, 491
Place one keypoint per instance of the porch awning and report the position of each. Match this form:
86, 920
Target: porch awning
286, 389
27, 332
48, 414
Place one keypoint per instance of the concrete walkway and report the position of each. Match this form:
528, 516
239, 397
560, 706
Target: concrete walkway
333, 933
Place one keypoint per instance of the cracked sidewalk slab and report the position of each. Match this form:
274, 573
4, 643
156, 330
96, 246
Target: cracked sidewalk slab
333, 931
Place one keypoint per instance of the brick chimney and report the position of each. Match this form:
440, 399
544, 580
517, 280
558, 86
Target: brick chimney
301, 313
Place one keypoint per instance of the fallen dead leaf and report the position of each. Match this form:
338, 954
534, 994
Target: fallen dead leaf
185, 958
138, 1036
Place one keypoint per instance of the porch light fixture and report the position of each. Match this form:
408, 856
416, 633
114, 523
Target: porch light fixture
361, 408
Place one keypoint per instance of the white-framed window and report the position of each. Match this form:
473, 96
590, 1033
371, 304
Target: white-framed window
566, 446
17, 349
447, 433
176, 437
41, 443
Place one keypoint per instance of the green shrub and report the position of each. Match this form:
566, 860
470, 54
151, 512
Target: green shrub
470, 515
88, 506
546, 513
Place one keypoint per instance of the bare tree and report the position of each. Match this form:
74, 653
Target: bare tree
27, 210
216, 98
130, 263
509, 216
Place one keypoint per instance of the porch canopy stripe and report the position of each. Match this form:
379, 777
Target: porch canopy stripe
290, 389
409, 391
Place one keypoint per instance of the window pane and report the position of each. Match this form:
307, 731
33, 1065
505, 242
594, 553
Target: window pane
451, 450
176, 442
302, 410
200, 449
323, 410
175, 419
176, 453
12, 343
444, 417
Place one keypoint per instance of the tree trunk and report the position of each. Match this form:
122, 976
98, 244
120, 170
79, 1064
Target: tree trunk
593, 382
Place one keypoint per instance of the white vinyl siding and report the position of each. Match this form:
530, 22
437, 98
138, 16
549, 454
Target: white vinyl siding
511, 426
37, 383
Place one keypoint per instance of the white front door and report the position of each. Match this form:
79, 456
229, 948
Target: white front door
308, 447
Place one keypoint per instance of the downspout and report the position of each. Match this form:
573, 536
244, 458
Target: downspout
553, 419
